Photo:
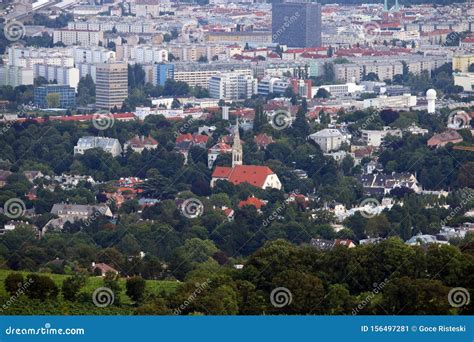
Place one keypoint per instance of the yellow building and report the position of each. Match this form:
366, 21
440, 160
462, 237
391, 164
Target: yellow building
462, 62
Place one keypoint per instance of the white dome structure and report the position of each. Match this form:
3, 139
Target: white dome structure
431, 98
431, 94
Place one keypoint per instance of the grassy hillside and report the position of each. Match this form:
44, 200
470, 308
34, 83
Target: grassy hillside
84, 306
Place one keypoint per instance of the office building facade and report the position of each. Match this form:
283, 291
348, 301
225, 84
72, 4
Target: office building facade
111, 84
296, 23
66, 96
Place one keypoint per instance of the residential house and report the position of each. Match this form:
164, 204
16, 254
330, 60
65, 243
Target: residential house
3, 177
32, 175
423, 240
263, 140
442, 139
140, 143
382, 184
215, 151
109, 145
102, 269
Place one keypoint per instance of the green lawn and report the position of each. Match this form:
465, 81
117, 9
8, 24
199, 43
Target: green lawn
152, 286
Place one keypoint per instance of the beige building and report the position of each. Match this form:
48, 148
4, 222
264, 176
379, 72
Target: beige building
111, 84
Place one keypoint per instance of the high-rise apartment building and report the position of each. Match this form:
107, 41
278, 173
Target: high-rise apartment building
111, 84
296, 23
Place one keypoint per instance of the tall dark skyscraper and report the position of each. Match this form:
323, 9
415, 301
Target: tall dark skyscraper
296, 23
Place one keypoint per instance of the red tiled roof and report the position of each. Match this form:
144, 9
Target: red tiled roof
252, 174
263, 139
257, 203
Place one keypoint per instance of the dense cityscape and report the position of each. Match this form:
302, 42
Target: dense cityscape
221, 157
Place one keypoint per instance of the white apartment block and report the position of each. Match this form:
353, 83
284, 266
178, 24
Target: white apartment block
339, 90
376, 137
123, 26
146, 54
62, 75
402, 101
87, 69
232, 86
195, 77
269, 85
328, 139
151, 8
29, 56
92, 54
15, 76
78, 37
192, 52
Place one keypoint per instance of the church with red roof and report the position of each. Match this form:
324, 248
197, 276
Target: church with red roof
259, 176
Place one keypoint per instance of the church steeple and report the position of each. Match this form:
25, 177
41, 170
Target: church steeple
237, 154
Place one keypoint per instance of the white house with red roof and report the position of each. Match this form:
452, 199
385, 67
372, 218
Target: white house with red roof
215, 151
259, 176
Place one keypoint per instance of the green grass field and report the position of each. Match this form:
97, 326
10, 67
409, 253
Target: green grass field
61, 306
